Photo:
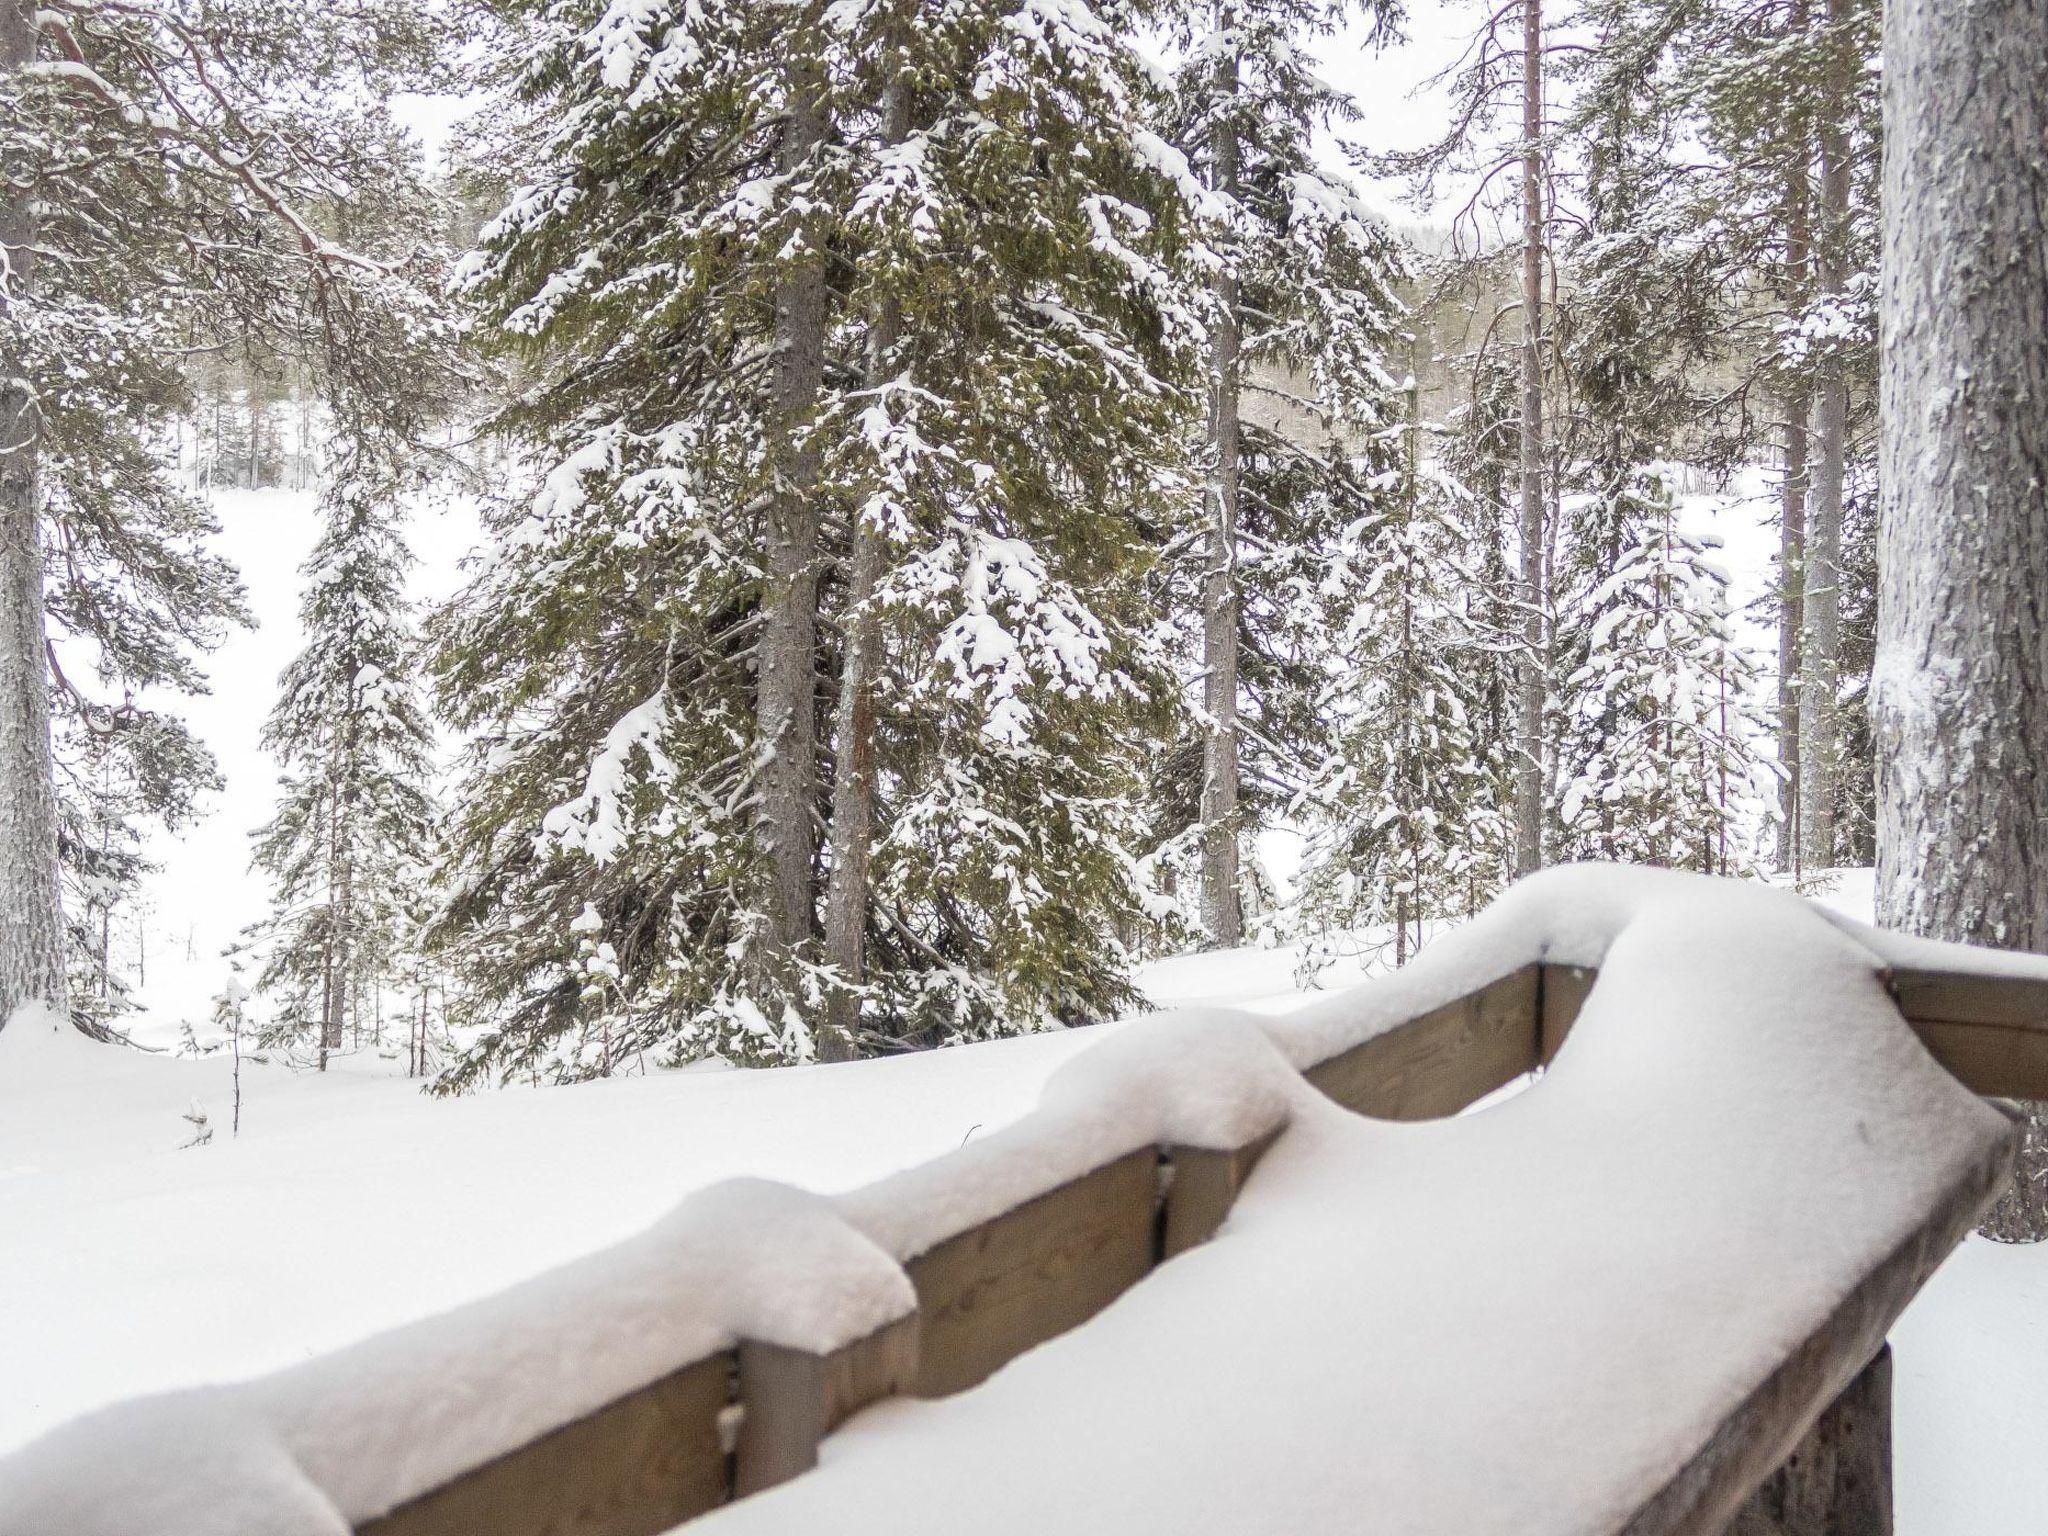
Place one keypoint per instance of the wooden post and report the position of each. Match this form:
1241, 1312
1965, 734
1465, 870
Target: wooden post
790, 1399
1201, 1186
1839, 1480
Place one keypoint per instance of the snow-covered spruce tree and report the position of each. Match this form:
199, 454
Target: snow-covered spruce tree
1006, 478
118, 770
1301, 312
1502, 136
1745, 138
166, 168
1658, 729
351, 838
1409, 814
915, 467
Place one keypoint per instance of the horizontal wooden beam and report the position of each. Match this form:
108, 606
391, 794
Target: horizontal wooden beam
1991, 1032
992, 1292
1443, 1060
636, 1467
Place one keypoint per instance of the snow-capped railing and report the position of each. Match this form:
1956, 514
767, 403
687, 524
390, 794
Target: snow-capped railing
709, 1358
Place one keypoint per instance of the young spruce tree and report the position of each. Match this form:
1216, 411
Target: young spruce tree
352, 835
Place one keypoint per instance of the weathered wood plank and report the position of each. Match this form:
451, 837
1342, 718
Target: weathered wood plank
636, 1467
1708, 1492
791, 1399
1990, 1032
989, 1294
1991, 1059
1839, 1481
1201, 1189
1954, 997
1438, 1063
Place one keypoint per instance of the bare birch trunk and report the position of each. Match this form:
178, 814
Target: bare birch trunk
1531, 684
1821, 601
1960, 697
31, 917
1222, 913
853, 726
786, 704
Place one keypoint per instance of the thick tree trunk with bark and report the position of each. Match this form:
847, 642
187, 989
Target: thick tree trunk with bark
1960, 697
1222, 911
851, 839
31, 920
1821, 601
786, 705
1531, 683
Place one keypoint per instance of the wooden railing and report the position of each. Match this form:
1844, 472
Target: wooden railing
747, 1418
1062, 1242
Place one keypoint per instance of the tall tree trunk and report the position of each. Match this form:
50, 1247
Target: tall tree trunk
1960, 698
1531, 682
853, 725
1222, 912
1797, 405
786, 705
31, 918
1791, 618
1821, 603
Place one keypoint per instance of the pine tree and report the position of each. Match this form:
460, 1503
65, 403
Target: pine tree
1503, 134
351, 837
1959, 708
1410, 814
946, 499
1731, 164
1301, 313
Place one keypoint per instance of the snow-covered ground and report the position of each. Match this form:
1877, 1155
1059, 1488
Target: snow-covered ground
350, 1203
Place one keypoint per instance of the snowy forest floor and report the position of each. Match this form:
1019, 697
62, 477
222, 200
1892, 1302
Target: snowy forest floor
350, 1203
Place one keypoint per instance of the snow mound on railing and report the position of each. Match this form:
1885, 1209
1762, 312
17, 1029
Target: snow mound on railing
352, 1434
1523, 1322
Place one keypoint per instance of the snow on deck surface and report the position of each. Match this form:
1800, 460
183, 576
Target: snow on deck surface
1520, 1321
350, 1205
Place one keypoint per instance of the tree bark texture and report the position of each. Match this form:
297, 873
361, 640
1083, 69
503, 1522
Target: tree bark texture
31, 919
1798, 406
1531, 680
786, 704
1222, 911
851, 839
1960, 695
1821, 601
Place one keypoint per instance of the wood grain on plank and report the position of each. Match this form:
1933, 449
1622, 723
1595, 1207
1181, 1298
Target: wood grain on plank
989, 1294
1442, 1061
